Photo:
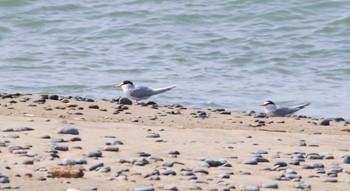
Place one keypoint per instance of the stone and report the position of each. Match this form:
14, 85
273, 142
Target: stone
61, 148
303, 186
88, 188
153, 135
169, 172
125, 101
170, 187
95, 166
346, 159
94, 107
24, 129
68, 130
144, 189
246, 187
280, 164
94, 154
199, 170
270, 185
251, 162
325, 122
261, 152
111, 149
28, 162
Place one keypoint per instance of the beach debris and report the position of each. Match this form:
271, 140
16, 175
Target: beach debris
65, 172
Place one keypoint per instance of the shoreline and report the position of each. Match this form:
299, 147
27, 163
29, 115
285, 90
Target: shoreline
166, 147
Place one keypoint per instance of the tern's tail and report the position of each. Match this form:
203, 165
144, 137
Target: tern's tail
303, 105
162, 90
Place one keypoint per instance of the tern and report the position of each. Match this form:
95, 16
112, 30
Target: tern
140, 92
271, 109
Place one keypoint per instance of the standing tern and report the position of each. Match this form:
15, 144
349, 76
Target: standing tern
271, 109
140, 92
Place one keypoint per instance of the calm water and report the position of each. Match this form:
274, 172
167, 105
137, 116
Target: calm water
220, 54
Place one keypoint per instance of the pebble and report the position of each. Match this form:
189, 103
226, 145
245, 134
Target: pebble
117, 142
262, 159
8, 130
94, 154
174, 152
251, 162
346, 159
12, 136
61, 148
28, 162
168, 172
170, 187
271, 185
249, 188
325, 122
153, 135
88, 188
68, 130
45, 137
261, 152
125, 101
144, 189
314, 156
75, 139
94, 107
4, 179
24, 129
142, 162
280, 164
154, 159
303, 186
224, 176
111, 149
199, 170
69, 162
331, 180
95, 166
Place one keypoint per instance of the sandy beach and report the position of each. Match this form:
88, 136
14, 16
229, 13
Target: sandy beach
134, 147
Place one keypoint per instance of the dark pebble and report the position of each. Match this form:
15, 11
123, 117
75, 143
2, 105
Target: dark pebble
111, 149
270, 185
144, 189
125, 101
94, 154
74, 139
303, 186
68, 130
95, 166
94, 107
251, 162
261, 152
169, 172
325, 122
280, 164
199, 170
346, 159
117, 142
142, 162
53, 97
153, 135
314, 156
28, 162
24, 129
61, 148
8, 130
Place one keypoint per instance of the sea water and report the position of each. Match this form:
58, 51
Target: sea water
232, 54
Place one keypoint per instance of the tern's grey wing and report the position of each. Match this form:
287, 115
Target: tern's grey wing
142, 92
285, 111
